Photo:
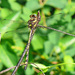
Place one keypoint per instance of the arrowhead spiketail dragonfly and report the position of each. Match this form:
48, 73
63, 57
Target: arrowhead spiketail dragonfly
33, 24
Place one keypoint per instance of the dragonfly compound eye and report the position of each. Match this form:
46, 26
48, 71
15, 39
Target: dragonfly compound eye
33, 16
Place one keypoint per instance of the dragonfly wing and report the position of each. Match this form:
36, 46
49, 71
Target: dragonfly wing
56, 23
44, 30
9, 25
21, 32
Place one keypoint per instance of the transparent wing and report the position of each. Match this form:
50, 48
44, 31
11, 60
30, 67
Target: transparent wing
11, 24
59, 22
9, 27
21, 32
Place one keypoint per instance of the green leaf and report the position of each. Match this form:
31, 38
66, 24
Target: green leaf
7, 58
37, 43
68, 59
54, 37
33, 5
5, 12
19, 45
67, 41
39, 65
7, 25
48, 47
29, 71
69, 52
26, 14
14, 5
1, 65
11, 0
46, 10
57, 3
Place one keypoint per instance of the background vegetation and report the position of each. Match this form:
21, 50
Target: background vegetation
51, 51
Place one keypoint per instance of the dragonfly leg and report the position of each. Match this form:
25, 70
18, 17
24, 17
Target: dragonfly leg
26, 62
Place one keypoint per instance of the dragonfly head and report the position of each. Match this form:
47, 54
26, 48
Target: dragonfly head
33, 16
34, 20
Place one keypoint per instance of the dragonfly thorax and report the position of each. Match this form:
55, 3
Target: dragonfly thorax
34, 20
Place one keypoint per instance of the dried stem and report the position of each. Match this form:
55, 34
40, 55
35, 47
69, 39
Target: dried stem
20, 65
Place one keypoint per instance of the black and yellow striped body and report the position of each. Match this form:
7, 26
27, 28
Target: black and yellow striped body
32, 24
30, 38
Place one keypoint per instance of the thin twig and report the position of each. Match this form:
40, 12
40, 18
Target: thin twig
25, 50
32, 23
9, 69
20, 65
39, 68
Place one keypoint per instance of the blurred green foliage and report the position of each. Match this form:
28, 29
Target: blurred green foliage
51, 51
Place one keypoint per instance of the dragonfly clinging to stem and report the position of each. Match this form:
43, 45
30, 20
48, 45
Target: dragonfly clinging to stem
51, 23
33, 24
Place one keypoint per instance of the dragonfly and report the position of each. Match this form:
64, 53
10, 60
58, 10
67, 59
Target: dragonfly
10, 29
33, 24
